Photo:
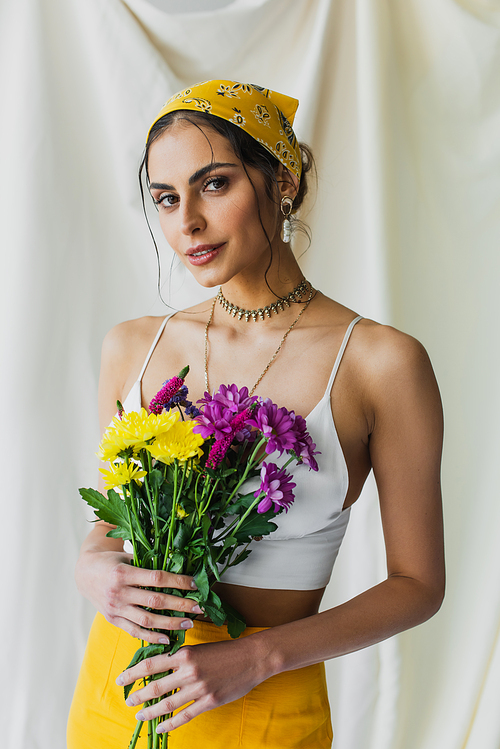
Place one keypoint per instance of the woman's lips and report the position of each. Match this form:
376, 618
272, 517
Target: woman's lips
203, 253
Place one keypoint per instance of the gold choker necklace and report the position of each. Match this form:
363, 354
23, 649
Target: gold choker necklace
276, 307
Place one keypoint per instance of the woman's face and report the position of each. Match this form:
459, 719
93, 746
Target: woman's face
208, 207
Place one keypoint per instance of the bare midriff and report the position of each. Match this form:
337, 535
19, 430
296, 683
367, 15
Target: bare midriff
269, 608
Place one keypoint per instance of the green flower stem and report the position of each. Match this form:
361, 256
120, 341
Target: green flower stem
172, 517
250, 465
199, 498
136, 558
146, 466
245, 514
141, 534
135, 735
183, 477
207, 503
229, 530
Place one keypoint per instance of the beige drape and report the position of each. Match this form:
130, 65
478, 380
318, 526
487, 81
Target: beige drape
400, 101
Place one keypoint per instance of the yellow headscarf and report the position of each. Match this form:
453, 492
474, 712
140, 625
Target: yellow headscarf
264, 114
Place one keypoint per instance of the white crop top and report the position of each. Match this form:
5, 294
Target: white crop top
301, 553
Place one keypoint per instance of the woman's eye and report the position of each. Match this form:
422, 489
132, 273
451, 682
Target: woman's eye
166, 200
215, 183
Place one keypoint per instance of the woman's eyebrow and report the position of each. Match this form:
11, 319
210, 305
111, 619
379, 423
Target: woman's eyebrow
199, 174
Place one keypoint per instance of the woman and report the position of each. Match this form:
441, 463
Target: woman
224, 170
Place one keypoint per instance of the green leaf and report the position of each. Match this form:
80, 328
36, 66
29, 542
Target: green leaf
120, 532
214, 598
241, 557
148, 651
155, 479
202, 583
205, 526
175, 563
227, 472
230, 541
236, 623
254, 525
211, 564
165, 501
243, 501
181, 537
181, 635
218, 616
146, 559
112, 510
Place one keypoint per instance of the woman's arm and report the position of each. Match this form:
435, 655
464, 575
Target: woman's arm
404, 423
104, 573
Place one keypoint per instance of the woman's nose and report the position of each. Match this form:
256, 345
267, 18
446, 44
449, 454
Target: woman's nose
192, 218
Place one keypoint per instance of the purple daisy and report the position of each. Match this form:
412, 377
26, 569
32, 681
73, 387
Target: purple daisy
277, 487
222, 445
217, 412
233, 398
214, 420
277, 426
304, 448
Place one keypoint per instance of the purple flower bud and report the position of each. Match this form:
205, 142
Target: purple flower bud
167, 391
218, 452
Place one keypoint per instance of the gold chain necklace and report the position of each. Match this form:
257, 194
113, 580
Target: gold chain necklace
306, 305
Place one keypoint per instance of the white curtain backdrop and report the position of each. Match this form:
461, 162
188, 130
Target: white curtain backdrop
400, 100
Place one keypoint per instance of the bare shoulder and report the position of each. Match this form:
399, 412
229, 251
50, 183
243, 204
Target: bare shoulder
124, 350
388, 351
128, 343
393, 371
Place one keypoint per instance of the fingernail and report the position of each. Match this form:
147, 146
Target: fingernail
162, 728
196, 610
140, 716
187, 624
130, 702
164, 640
120, 681
193, 585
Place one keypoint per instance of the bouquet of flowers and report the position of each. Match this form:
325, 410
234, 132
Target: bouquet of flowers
181, 498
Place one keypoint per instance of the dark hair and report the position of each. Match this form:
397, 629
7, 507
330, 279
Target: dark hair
249, 152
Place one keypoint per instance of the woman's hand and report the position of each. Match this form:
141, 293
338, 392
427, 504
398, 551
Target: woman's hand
105, 576
206, 675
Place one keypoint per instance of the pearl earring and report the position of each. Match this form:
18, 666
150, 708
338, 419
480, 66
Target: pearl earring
286, 209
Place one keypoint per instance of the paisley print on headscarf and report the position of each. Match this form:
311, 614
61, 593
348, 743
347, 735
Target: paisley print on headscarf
232, 90
288, 130
261, 114
237, 118
202, 104
264, 114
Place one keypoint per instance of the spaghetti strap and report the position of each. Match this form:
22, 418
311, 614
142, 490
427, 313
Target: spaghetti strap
341, 352
153, 345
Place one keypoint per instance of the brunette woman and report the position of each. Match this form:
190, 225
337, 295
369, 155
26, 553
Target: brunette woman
225, 171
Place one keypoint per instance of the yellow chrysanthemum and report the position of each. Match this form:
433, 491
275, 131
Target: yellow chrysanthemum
179, 442
134, 430
112, 444
121, 473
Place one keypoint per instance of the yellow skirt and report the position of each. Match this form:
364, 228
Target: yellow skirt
287, 711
